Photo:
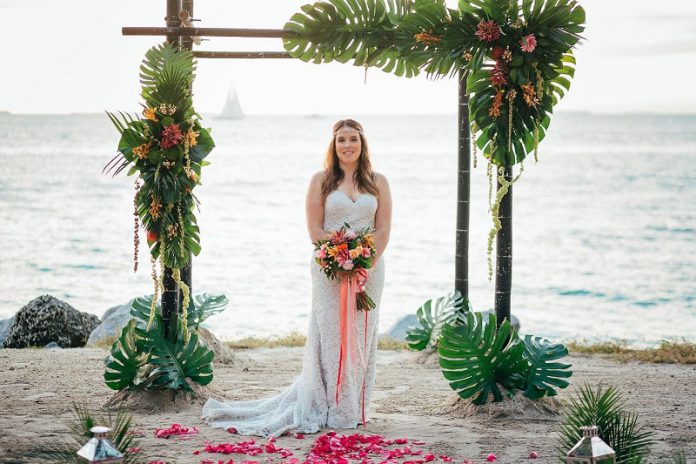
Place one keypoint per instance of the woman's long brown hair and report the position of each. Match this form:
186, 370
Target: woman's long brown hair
363, 177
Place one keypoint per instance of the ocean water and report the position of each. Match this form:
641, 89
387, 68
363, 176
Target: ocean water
604, 224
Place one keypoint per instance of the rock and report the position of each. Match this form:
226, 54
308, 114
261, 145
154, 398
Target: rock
113, 321
52, 345
398, 330
5, 325
46, 319
223, 353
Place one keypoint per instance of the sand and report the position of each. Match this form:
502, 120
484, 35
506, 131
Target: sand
411, 400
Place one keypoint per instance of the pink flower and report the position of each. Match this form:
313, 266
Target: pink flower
350, 234
491, 457
533, 455
231, 430
528, 43
347, 265
366, 252
338, 237
299, 436
171, 135
320, 253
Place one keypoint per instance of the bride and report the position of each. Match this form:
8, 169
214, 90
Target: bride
347, 191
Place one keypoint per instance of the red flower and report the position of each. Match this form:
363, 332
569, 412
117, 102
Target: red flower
491, 457
151, 236
171, 135
497, 53
488, 31
499, 75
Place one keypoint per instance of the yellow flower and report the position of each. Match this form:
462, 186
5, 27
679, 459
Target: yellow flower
354, 253
191, 137
369, 240
149, 113
332, 251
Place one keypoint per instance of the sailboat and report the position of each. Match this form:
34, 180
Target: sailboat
232, 109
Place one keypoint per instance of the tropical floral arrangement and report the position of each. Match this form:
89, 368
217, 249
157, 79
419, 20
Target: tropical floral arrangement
165, 148
348, 254
516, 55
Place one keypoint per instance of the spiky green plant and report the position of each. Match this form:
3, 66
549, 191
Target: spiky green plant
432, 316
79, 425
618, 427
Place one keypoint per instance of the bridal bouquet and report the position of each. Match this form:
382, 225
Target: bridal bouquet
346, 255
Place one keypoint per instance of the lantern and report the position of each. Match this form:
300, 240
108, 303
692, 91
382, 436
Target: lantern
99, 449
591, 449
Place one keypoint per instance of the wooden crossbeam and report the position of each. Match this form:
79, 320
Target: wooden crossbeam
251, 55
207, 32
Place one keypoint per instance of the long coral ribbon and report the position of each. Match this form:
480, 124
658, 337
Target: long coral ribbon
350, 287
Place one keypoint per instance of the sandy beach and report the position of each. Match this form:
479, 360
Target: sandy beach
411, 400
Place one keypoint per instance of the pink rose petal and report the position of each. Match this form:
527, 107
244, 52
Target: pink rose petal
491, 457
533, 455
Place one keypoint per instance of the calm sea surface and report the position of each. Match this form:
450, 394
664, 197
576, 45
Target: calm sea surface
604, 224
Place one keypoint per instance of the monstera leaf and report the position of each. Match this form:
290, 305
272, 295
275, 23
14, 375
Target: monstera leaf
175, 362
432, 316
204, 306
125, 360
544, 374
475, 358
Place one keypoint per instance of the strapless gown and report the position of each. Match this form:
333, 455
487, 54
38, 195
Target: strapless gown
309, 404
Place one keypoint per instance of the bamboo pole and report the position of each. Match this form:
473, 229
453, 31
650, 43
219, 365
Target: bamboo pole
461, 263
170, 296
503, 255
207, 31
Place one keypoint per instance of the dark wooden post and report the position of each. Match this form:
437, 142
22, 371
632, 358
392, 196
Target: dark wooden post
461, 263
503, 254
170, 295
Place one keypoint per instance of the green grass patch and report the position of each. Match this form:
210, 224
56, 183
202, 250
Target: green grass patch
669, 351
296, 339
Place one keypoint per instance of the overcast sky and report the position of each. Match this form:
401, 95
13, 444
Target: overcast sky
64, 57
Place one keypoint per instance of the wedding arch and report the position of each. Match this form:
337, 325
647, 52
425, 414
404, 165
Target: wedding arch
513, 60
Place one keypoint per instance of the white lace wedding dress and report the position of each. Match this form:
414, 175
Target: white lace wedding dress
309, 404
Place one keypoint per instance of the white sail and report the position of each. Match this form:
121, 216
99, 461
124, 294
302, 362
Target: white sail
232, 109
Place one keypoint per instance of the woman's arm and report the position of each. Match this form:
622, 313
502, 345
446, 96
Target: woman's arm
383, 216
315, 208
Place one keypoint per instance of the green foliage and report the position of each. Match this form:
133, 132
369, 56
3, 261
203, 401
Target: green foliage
406, 37
475, 358
200, 308
605, 408
544, 375
79, 425
166, 148
432, 315
174, 362
147, 360
125, 360
478, 360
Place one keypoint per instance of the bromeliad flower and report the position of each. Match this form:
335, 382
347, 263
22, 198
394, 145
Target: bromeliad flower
528, 43
488, 31
171, 136
497, 52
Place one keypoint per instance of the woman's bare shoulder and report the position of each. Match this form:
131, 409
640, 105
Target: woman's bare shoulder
381, 180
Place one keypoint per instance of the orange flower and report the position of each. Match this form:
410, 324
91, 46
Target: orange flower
529, 94
141, 151
149, 113
155, 208
191, 137
426, 38
332, 251
369, 241
494, 111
